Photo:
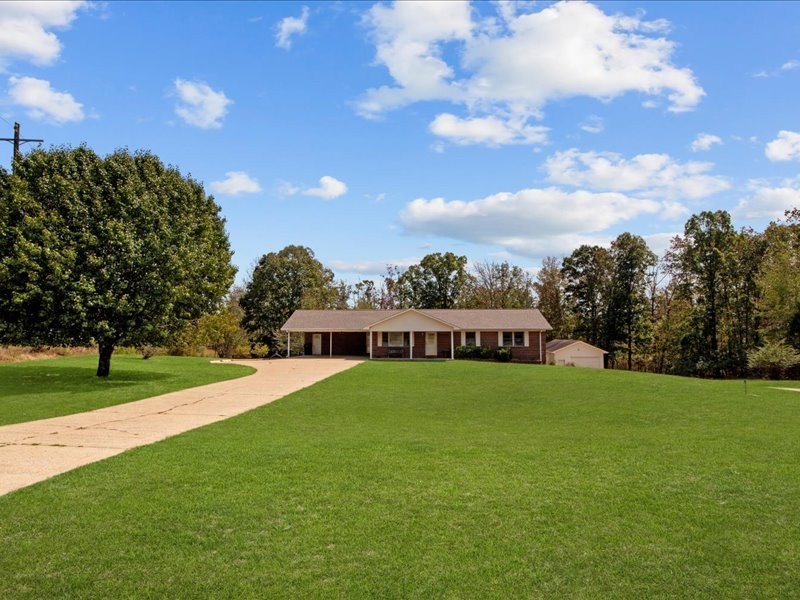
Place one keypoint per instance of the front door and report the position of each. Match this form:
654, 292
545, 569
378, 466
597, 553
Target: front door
316, 344
430, 343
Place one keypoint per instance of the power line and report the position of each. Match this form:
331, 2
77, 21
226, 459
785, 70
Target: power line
17, 141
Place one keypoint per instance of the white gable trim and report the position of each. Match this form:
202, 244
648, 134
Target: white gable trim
412, 320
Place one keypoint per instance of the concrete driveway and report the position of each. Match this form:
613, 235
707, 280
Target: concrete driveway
34, 451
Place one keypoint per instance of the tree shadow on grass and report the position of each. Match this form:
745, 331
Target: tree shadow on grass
52, 379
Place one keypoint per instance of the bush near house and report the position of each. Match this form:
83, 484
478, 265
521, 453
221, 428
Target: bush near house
501, 354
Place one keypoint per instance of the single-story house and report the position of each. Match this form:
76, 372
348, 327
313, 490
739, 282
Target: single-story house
419, 333
575, 352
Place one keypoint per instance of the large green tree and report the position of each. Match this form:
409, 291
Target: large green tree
120, 250
779, 285
438, 281
702, 261
281, 283
586, 276
628, 305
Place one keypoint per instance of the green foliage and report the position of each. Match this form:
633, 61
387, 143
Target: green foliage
587, 280
703, 264
223, 333
551, 298
627, 311
773, 359
503, 354
779, 304
281, 283
118, 250
438, 281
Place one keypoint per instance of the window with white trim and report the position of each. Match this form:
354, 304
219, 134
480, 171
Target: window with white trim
513, 338
470, 339
394, 339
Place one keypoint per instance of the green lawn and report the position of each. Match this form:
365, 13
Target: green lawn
437, 480
61, 386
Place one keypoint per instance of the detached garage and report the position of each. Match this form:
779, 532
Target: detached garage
575, 352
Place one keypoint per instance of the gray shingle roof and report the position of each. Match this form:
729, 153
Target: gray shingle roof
554, 345
460, 319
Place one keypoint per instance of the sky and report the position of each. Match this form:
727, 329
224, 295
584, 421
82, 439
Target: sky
378, 133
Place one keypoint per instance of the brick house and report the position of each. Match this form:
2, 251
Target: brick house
419, 333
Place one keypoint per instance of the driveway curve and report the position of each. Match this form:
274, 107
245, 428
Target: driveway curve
37, 450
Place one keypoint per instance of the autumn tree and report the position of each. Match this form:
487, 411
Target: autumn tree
120, 250
498, 285
702, 262
551, 297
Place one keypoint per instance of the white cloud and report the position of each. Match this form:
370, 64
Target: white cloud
565, 50
370, 267
531, 221
235, 183
290, 27
199, 105
789, 65
593, 124
650, 175
704, 141
328, 189
785, 147
660, 242
43, 102
766, 202
491, 130
24, 30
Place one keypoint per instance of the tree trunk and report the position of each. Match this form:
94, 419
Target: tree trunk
104, 363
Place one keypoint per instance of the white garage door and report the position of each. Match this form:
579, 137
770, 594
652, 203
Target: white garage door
595, 362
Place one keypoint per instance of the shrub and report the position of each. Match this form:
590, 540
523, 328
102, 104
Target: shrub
773, 359
467, 352
487, 353
148, 351
503, 354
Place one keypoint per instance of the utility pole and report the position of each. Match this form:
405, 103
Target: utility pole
17, 141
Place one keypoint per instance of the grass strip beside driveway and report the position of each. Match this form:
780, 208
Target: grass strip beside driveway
63, 386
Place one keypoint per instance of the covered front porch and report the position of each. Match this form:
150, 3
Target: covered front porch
407, 335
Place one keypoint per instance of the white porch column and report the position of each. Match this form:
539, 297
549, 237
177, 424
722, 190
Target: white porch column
452, 347
288, 344
370, 344
411, 346
540, 346
330, 353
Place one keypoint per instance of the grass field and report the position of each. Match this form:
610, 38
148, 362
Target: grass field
437, 480
62, 386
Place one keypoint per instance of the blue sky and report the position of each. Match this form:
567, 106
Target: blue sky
378, 133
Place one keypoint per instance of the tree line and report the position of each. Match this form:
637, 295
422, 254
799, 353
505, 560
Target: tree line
718, 301
124, 250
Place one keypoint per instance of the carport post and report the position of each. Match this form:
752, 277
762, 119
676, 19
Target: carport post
288, 344
411, 347
370, 344
452, 347
331, 344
